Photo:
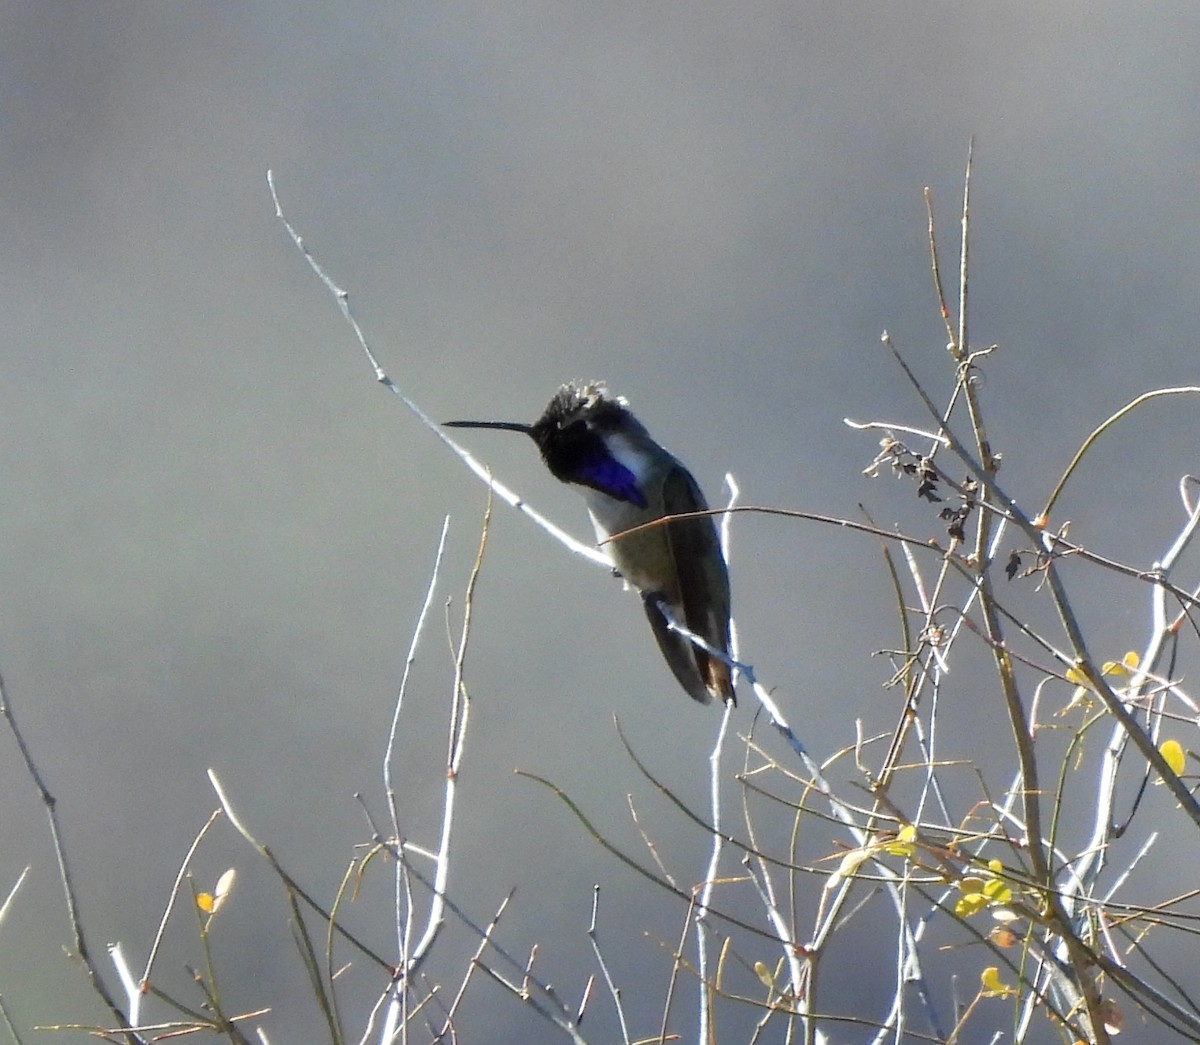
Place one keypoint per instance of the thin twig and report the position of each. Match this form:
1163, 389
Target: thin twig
1133, 404
291, 883
505, 494
8, 1023
64, 871
179, 877
613, 990
474, 963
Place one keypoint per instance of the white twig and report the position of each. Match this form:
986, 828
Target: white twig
12, 894
790, 947
710, 875
403, 891
714, 790
389, 753
613, 990
505, 494
133, 992
459, 713
889, 427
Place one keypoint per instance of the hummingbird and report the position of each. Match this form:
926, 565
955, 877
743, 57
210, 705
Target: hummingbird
589, 439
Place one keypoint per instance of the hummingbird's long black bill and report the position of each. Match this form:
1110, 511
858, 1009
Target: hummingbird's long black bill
508, 426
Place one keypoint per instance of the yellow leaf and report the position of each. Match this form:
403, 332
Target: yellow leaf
991, 982
1172, 753
205, 902
1131, 660
902, 844
1078, 677
970, 904
997, 892
971, 884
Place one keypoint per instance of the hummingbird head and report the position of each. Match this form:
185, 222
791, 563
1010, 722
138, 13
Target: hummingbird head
573, 436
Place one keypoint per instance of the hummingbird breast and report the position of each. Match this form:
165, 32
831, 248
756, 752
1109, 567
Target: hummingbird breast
643, 559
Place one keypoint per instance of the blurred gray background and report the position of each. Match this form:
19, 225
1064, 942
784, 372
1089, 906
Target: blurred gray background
215, 530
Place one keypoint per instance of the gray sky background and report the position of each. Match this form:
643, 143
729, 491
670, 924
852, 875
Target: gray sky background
216, 531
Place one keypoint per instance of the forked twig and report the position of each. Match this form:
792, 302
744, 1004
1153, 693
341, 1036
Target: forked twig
82, 950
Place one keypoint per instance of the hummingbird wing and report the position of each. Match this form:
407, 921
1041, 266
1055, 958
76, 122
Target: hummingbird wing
702, 600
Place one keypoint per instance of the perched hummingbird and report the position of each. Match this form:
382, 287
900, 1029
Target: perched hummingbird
590, 439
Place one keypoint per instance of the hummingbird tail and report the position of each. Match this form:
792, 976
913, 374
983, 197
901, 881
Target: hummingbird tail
701, 675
